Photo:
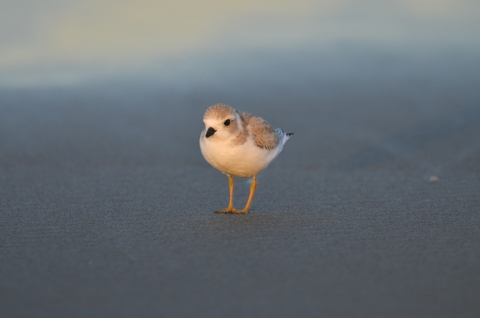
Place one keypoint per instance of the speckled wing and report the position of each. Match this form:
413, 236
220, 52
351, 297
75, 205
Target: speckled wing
264, 135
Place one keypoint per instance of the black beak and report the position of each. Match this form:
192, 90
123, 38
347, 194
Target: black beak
210, 132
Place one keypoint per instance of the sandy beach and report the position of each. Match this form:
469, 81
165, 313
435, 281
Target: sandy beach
371, 210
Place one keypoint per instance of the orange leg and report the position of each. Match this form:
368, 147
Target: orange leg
230, 207
253, 186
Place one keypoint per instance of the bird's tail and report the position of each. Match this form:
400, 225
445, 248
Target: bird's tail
287, 136
282, 135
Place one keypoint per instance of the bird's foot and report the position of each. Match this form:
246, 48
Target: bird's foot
232, 210
227, 210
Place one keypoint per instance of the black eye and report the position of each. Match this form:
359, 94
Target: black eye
227, 122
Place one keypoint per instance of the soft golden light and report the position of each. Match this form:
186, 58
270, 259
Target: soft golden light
64, 37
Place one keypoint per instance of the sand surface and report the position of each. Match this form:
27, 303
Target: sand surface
372, 209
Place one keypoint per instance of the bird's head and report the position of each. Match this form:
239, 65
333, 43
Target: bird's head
221, 122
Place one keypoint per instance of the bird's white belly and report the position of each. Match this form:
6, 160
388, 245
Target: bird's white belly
242, 161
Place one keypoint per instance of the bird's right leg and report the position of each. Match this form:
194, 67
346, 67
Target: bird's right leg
230, 207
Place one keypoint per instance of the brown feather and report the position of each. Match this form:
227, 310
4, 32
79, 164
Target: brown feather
263, 134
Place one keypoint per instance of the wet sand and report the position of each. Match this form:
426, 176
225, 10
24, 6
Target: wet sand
372, 209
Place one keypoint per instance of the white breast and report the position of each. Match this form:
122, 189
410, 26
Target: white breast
242, 161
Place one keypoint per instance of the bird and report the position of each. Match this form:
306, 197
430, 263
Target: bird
239, 144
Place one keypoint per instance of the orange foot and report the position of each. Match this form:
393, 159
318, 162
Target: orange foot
232, 210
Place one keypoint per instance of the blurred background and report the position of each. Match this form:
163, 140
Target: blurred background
61, 43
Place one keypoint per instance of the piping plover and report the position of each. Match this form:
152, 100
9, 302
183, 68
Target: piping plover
239, 144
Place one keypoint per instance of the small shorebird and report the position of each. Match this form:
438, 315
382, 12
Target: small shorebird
239, 144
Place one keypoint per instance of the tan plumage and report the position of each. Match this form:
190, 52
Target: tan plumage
264, 135
218, 111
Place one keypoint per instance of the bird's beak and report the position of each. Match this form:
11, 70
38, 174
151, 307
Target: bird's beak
210, 132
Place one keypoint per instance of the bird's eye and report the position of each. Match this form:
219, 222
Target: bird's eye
227, 122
